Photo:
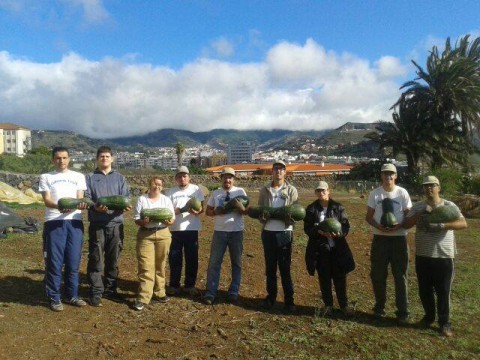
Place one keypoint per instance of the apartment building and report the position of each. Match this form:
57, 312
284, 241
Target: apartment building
241, 152
15, 139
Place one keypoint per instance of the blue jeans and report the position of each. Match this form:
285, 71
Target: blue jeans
277, 249
188, 241
220, 241
63, 240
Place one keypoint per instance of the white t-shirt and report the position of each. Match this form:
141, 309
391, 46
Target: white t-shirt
180, 197
277, 201
60, 185
144, 202
233, 221
401, 202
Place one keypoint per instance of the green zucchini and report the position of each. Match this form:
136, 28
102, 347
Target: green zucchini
296, 211
192, 203
443, 214
68, 203
330, 225
114, 202
229, 206
157, 214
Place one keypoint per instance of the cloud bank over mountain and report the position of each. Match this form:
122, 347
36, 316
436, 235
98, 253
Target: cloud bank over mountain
295, 87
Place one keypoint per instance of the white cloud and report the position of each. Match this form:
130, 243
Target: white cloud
297, 87
223, 47
93, 9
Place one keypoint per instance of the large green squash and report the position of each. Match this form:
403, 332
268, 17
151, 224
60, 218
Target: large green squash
114, 202
388, 219
296, 211
192, 203
229, 205
156, 214
443, 214
330, 225
68, 203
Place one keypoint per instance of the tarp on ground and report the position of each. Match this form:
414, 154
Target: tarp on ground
11, 222
10, 194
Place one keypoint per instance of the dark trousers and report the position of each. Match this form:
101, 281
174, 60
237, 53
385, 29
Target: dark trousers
62, 245
277, 249
104, 248
391, 250
435, 276
188, 241
328, 271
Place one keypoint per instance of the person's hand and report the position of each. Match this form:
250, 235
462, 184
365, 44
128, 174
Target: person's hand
145, 220
177, 211
194, 212
65, 211
288, 220
238, 205
435, 227
219, 210
82, 206
128, 208
101, 208
263, 218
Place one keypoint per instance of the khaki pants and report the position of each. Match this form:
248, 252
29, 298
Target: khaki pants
152, 253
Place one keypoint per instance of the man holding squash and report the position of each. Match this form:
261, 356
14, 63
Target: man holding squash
106, 228
436, 218
387, 206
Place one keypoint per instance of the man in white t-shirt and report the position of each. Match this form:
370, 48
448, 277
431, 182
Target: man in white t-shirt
389, 244
63, 230
277, 236
184, 233
228, 232
434, 254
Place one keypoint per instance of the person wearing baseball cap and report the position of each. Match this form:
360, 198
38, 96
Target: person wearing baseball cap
277, 236
327, 252
434, 255
389, 245
184, 231
228, 232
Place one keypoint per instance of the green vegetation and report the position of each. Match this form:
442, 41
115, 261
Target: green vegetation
437, 117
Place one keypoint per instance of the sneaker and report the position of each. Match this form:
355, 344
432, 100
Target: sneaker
161, 300
172, 291
327, 311
208, 300
95, 301
192, 291
56, 305
268, 303
75, 301
232, 298
446, 330
347, 311
139, 306
379, 314
426, 322
403, 320
114, 296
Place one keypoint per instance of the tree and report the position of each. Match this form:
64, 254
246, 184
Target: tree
448, 92
180, 151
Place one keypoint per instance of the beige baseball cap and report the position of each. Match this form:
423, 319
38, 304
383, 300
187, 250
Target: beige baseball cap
389, 167
430, 179
279, 162
228, 171
322, 185
182, 170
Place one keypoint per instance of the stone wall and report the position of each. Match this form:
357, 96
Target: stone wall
139, 183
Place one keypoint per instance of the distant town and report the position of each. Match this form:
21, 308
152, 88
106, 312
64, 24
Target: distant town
242, 155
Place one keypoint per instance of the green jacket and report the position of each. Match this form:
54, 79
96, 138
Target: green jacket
266, 197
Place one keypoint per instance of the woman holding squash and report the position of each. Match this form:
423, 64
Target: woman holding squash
153, 214
327, 225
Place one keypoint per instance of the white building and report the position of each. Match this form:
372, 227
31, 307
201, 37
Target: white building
15, 139
240, 153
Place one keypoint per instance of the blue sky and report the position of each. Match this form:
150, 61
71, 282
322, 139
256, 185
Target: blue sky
117, 68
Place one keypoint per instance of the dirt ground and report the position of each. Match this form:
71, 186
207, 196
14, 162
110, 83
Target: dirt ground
185, 328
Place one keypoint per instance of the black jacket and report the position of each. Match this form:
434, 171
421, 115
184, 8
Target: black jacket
318, 243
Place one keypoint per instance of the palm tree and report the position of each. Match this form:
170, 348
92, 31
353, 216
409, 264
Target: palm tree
449, 94
179, 150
